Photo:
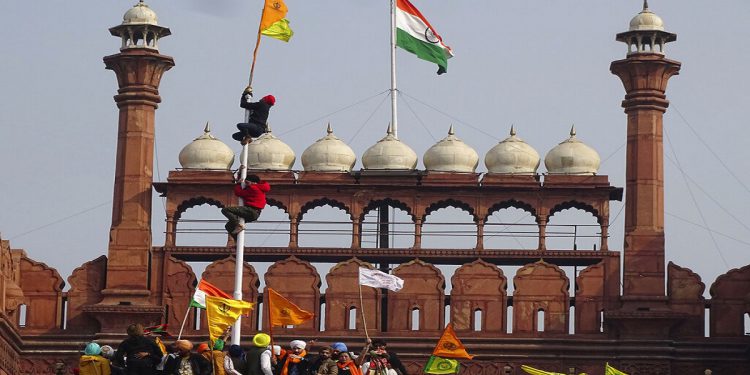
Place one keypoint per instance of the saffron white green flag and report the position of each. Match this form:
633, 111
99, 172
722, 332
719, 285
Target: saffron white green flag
377, 279
415, 34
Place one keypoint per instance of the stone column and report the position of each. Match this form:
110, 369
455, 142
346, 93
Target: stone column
139, 72
645, 77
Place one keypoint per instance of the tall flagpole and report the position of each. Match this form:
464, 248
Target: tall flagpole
239, 259
394, 106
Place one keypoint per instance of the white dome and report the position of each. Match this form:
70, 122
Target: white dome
572, 157
646, 20
329, 154
512, 156
390, 154
206, 152
269, 153
451, 155
140, 14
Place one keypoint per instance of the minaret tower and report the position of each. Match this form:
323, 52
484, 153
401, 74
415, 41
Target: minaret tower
645, 73
139, 67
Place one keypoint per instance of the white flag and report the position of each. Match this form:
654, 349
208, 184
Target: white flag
377, 279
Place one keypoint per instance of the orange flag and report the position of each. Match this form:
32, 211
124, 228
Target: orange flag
449, 346
283, 312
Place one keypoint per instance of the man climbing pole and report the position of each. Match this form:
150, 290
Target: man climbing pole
254, 198
257, 119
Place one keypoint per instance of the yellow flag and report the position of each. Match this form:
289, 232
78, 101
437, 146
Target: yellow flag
222, 313
283, 312
449, 346
533, 371
609, 370
273, 22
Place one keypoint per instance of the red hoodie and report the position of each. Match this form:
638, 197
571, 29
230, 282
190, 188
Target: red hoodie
254, 195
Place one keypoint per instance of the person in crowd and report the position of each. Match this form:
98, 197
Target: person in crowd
235, 362
295, 361
258, 358
346, 365
323, 363
142, 354
109, 353
186, 362
92, 363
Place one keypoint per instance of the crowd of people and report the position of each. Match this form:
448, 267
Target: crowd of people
144, 352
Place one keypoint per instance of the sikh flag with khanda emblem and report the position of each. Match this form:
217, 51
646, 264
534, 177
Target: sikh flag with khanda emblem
221, 313
273, 22
283, 312
449, 346
437, 365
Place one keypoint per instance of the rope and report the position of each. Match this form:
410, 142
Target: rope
333, 113
695, 201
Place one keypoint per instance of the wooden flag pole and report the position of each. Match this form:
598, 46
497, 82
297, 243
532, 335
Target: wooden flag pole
187, 312
362, 310
255, 51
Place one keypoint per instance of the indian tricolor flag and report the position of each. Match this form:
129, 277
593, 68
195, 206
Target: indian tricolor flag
206, 289
415, 34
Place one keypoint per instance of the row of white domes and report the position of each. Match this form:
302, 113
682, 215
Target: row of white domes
330, 154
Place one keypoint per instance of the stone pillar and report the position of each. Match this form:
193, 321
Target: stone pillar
542, 222
418, 233
139, 72
645, 77
356, 233
294, 232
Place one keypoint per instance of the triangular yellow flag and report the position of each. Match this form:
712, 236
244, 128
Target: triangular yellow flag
222, 313
449, 346
609, 370
283, 312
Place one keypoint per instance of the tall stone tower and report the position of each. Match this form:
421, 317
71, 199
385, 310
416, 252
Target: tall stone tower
645, 73
139, 67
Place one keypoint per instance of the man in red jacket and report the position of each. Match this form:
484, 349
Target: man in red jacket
254, 197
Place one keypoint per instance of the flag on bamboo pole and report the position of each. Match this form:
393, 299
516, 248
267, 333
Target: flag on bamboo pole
415, 34
533, 371
437, 365
449, 346
283, 312
221, 313
206, 289
609, 370
273, 22
379, 279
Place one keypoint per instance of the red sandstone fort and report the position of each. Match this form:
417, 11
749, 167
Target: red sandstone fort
629, 306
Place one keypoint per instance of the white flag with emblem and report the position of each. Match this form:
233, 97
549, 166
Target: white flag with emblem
377, 279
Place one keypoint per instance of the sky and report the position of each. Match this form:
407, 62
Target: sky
541, 65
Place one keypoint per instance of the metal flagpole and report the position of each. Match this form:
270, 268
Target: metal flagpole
240, 242
240, 253
394, 107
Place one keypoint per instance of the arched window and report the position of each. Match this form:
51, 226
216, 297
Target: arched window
22, 311
415, 319
352, 318
540, 320
477, 320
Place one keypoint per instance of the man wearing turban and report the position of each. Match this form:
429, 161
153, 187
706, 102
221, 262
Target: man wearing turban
186, 362
294, 362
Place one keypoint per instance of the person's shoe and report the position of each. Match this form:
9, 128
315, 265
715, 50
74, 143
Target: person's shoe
239, 136
239, 228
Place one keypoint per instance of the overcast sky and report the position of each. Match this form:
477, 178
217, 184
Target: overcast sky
541, 65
